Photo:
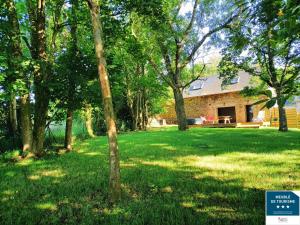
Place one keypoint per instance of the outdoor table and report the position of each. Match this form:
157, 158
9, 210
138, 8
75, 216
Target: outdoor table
225, 118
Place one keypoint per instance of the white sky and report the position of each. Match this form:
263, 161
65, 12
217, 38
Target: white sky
209, 56
186, 7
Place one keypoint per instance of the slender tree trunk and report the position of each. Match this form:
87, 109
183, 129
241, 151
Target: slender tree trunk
145, 111
68, 132
180, 110
143, 102
131, 106
138, 110
130, 102
71, 77
25, 115
14, 54
134, 120
114, 176
26, 125
88, 114
281, 110
13, 115
282, 118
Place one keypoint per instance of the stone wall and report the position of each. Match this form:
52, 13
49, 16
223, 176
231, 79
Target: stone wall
208, 106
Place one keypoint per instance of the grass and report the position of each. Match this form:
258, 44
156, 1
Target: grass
203, 176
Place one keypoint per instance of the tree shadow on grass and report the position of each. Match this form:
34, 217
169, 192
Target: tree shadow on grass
167, 178
151, 195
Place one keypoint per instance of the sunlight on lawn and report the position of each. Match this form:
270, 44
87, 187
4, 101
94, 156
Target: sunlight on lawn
56, 173
26, 162
250, 167
126, 165
203, 176
163, 164
48, 205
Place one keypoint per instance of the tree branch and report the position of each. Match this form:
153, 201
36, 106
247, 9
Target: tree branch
266, 65
200, 43
196, 78
295, 76
167, 59
286, 64
155, 67
177, 9
190, 25
28, 45
90, 4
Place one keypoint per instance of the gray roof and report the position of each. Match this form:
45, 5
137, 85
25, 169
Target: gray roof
213, 85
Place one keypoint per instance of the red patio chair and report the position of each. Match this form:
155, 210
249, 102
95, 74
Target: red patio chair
210, 119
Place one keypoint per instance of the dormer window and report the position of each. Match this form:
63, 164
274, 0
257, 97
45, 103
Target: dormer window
235, 80
196, 86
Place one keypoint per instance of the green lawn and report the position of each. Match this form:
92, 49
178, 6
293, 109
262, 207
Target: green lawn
203, 176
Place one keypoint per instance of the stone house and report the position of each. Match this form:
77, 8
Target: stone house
208, 97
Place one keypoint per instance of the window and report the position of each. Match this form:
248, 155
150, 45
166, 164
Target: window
235, 80
197, 86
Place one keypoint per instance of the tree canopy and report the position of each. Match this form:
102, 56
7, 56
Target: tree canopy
265, 43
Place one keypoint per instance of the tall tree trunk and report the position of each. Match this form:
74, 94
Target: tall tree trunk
71, 89
138, 110
26, 125
180, 110
88, 116
145, 111
68, 132
132, 113
134, 119
36, 11
13, 115
16, 53
131, 101
144, 102
40, 119
282, 118
281, 110
114, 175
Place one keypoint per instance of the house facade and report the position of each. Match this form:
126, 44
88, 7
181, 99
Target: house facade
209, 98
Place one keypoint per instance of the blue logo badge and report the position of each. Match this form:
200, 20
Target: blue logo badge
282, 203
282, 207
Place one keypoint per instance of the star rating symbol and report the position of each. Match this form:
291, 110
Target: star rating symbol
287, 206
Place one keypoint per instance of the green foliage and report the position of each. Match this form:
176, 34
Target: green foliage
265, 43
260, 90
135, 77
227, 69
78, 73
